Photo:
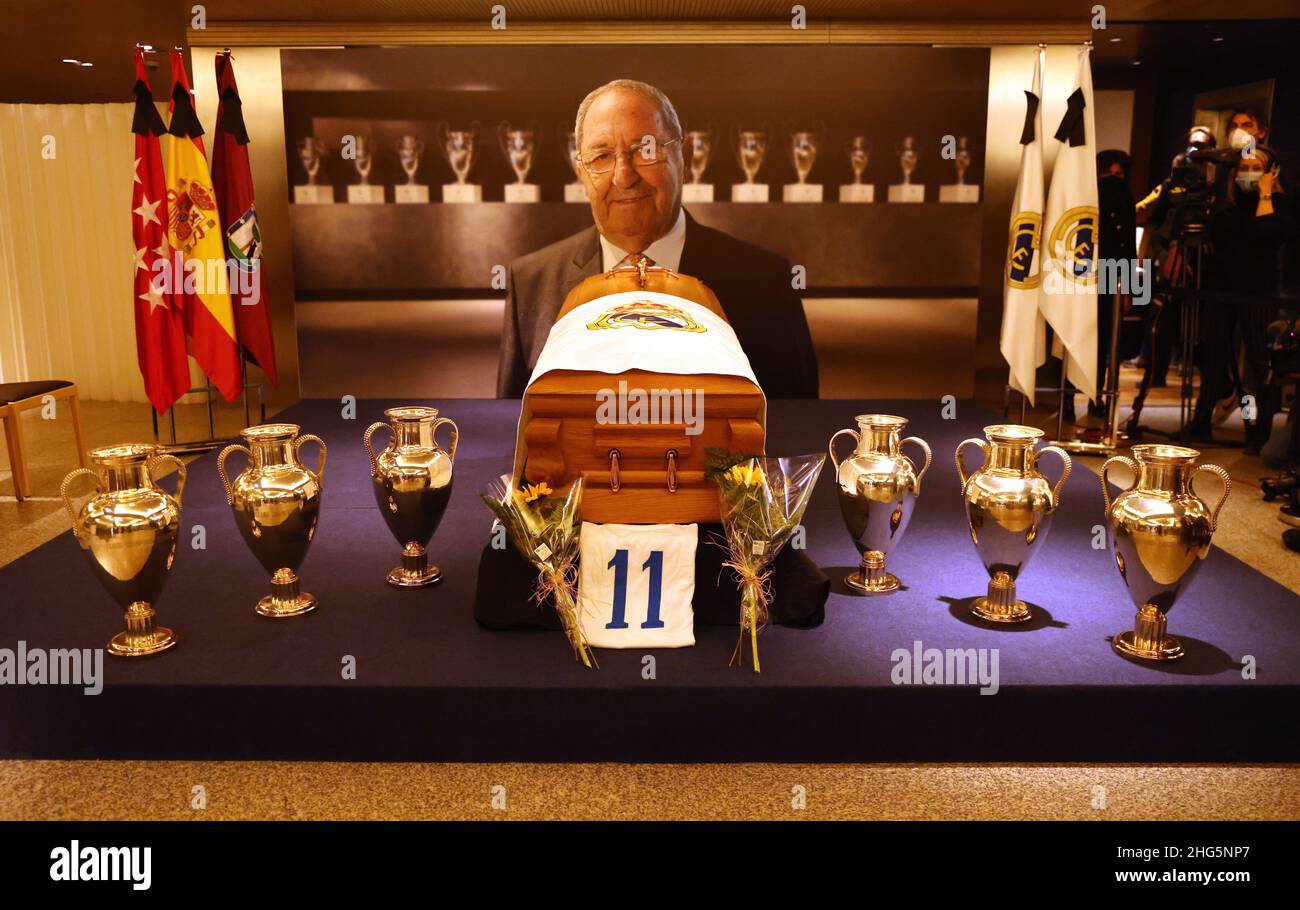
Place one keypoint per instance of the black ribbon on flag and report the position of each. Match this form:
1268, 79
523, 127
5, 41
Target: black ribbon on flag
146, 121
1031, 111
232, 116
1072, 123
184, 121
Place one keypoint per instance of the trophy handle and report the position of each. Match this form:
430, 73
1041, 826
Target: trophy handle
365, 441
1105, 481
221, 469
67, 501
1227, 488
1065, 474
961, 466
925, 447
830, 447
320, 459
455, 435
180, 470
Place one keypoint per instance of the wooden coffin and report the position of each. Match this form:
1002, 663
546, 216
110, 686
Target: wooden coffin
636, 472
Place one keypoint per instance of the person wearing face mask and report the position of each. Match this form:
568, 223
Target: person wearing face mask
1250, 224
1116, 240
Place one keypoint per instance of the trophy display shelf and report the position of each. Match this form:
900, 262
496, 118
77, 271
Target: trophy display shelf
360, 248
432, 685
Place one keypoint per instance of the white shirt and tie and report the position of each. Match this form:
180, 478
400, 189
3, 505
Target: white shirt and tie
666, 252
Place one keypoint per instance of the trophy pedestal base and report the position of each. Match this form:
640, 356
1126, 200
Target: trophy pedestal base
462, 192
523, 192
857, 192
1000, 604
697, 192
410, 193
907, 192
415, 571
365, 195
1147, 639
749, 192
871, 577
285, 599
959, 192
576, 192
141, 636
802, 192
310, 194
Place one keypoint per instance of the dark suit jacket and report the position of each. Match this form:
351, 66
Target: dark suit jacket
752, 284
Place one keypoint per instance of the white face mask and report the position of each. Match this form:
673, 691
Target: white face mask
1248, 181
1240, 139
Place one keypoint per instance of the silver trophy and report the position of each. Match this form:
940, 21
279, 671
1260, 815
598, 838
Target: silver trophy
699, 145
804, 145
751, 148
364, 161
571, 152
458, 148
906, 150
409, 151
518, 145
859, 151
311, 153
962, 160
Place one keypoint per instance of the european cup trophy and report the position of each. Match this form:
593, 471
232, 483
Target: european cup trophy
907, 191
577, 190
750, 148
961, 191
804, 145
363, 192
699, 146
409, 151
859, 151
311, 154
519, 145
458, 148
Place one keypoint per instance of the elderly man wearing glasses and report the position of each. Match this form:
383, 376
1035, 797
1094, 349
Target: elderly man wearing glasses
629, 144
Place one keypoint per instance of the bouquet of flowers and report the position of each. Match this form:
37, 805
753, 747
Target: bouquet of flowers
543, 525
763, 500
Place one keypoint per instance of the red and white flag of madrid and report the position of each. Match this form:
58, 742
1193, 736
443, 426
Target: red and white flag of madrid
159, 330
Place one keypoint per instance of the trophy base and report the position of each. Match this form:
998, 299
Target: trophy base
523, 192
576, 192
749, 192
462, 192
857, 192
1000, 604
801, 192
359, 194
129, 644
1128, 644
697, 192
285, 599
311, 194
959, 192
403, 578
885, 584
410, 193
907, 192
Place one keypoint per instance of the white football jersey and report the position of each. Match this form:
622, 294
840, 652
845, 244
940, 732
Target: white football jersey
636, 585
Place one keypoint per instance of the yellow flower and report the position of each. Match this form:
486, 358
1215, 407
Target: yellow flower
533, 492
746, 475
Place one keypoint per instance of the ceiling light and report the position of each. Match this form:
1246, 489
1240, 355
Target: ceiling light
70, 60
1115, 40
1217, 40
87, 64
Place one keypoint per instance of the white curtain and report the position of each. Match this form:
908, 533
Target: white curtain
66, 309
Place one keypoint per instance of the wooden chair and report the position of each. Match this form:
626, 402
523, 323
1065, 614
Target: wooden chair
16, 397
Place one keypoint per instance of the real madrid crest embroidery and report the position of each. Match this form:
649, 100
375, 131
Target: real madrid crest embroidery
1026, 234
646, 314
1073, 244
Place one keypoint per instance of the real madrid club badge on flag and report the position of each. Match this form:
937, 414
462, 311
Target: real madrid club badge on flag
1023, 341
636, 584
1068, 295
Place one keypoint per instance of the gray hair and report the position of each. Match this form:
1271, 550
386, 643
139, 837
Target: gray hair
631, 85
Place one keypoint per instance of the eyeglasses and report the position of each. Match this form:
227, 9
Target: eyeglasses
644, 154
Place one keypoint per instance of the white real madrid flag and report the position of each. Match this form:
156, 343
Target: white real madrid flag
1023, 330
1068, 295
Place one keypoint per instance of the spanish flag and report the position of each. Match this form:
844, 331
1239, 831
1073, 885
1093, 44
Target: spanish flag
194, 228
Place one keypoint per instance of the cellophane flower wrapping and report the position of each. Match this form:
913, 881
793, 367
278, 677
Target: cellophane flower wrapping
543, 525
763, 501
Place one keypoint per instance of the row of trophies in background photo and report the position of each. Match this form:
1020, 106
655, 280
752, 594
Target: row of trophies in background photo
519, 147
1159, 529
